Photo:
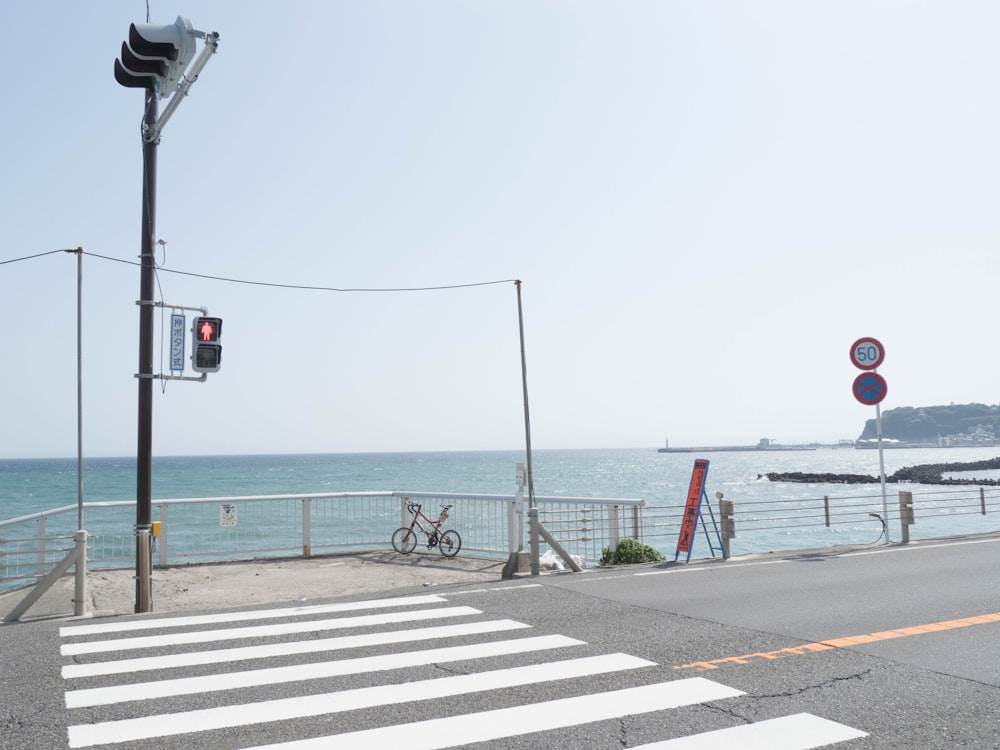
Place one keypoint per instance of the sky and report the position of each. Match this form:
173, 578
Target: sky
706, 202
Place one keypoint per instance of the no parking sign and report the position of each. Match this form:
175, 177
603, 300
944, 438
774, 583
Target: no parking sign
869, 388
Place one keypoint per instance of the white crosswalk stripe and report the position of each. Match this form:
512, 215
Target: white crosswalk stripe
315, 671
260, 675
218, 656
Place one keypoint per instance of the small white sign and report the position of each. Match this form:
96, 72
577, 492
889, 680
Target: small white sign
177, 331
227, 514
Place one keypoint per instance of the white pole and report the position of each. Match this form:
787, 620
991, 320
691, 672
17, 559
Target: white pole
881, 471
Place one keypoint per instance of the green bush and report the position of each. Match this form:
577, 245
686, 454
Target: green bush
630, 551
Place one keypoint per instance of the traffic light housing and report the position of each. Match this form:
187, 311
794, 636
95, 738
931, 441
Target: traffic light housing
206, 351
156, 56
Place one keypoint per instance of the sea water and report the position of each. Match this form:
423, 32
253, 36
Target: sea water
661, 479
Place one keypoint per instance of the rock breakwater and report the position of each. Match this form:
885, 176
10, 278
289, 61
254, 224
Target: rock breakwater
922, 474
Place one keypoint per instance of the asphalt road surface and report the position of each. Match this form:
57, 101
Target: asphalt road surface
892, 647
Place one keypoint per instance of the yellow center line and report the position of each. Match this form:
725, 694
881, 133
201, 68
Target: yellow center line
847, 642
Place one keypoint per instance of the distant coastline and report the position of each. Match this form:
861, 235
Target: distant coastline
718, 448
887, 443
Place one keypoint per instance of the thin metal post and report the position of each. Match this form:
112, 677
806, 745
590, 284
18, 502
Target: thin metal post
982, 500
80, 589
40, 548
533, 539
164, 540
533, 518
144, 452
613, 534
79, 389
881, 471
306, 528
905, 515
524, 388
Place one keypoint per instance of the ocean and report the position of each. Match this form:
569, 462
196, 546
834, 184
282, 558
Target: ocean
661, 479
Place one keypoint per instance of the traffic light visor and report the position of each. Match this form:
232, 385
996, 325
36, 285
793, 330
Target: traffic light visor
156, 56
165, 42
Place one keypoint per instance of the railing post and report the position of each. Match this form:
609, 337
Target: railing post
982, 500
728, 525
80, 590
636, 523
306, 528
905, 514
40, 548
613, 535
162, 541
826, 510
513, 537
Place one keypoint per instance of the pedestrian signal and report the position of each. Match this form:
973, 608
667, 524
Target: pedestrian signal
206, 351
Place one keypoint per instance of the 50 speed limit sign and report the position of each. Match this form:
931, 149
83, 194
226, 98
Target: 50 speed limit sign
867, 353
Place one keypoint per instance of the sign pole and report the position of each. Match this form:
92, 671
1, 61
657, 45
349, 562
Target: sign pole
144, 449
870, 388
881, 471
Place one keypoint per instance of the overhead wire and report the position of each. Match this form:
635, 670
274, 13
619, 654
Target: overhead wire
37, 255
306, 287
157, 268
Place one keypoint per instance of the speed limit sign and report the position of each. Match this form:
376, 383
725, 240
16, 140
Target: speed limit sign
867, 353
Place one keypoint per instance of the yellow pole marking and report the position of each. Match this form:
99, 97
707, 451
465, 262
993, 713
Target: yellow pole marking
846, 642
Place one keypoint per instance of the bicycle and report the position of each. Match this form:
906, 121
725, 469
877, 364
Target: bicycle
404, 539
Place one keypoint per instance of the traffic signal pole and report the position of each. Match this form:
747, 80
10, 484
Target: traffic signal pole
155, 58
144, 454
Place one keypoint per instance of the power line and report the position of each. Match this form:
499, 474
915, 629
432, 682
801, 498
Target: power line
38, 255
306, 287
312, 288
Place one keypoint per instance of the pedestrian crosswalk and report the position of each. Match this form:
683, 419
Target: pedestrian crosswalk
415, 672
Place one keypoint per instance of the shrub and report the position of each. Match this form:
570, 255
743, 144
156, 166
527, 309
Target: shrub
630, 551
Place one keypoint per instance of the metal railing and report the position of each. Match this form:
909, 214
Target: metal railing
240, 528
827, 520
190, 530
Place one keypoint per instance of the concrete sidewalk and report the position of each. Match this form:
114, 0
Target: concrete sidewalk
278, 581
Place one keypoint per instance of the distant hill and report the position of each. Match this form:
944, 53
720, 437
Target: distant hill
955, 424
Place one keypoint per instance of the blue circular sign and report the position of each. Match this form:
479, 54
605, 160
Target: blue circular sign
870, 388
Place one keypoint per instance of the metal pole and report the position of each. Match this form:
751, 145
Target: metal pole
524, 387
144, 453
881, 471
532, 508
80, 570
80, 588
79, 389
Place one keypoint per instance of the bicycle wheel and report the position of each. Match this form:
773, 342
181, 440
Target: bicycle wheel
450, 543
404, 540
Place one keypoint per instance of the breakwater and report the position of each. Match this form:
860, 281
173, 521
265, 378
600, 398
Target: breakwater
922, 474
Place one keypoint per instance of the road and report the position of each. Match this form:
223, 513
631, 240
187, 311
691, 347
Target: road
893, 647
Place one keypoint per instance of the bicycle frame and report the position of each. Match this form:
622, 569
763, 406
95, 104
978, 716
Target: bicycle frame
448, 542
418, 513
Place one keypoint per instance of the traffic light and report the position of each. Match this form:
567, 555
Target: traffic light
156, 56
206, 351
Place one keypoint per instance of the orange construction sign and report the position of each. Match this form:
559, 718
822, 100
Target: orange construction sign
693, 507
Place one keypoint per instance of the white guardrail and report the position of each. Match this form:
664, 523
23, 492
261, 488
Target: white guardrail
217, 529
